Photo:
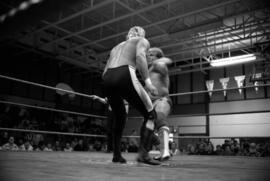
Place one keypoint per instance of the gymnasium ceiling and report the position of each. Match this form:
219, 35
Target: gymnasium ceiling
80, 35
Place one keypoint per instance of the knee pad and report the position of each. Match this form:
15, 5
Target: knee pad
150, 119
161, 120
152, 115
155, 140
164, 128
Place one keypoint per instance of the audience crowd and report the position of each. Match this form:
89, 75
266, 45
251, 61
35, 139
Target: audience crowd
36, 119
231, 147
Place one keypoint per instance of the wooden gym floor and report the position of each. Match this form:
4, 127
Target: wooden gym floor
97, 166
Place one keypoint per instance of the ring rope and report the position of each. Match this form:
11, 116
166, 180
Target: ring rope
52, 132
220, 114
218, 90
171, 95
52, 109
45, 86
125, 136
60, 133
209, 114
217, 137
132, 117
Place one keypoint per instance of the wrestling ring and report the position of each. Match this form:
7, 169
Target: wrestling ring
76, 165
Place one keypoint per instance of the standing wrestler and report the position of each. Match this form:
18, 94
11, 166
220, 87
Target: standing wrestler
159, 75
121, 82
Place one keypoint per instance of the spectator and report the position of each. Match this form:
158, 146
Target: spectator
227, 150
252, 150
4, 119
225, 144
174, 150
10, 145
74, 142
28, 146
48, 147
208, 147
21, 145
4, 138
266, 151
218, 150
68, 148
235, 147
41, 145
90, 147
191, 149
97, 146
57, 146
37, 138
200, 149
245, 147
124, 145
79, 146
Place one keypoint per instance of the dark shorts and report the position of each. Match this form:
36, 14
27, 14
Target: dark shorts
122, 83
166, 98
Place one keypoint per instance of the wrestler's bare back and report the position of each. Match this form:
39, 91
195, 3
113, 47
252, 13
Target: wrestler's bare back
124, 53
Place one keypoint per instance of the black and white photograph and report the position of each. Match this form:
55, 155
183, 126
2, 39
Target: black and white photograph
135, 90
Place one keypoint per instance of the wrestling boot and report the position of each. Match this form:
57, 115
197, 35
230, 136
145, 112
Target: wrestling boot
109, 143
117, 134
145, 144
117, 157
163, 134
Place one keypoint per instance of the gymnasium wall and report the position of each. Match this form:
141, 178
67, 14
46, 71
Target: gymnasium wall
195, 81
227, 119
250, 124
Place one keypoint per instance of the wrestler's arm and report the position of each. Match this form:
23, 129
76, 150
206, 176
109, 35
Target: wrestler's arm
108, 61
160, 67
164, 60
141, 62
106, 67
100, 99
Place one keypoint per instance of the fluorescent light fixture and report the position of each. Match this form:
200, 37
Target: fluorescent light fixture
233, 60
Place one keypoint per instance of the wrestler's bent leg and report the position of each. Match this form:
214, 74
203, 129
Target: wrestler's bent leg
163, 108
138, 98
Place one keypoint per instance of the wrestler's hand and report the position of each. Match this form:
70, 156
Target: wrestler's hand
93, 97
150, 87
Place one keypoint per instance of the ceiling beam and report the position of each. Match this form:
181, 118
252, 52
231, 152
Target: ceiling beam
87, 10
32, 15
216, 44
157, 23
178, 72
67, 31
111, 21
141, 16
